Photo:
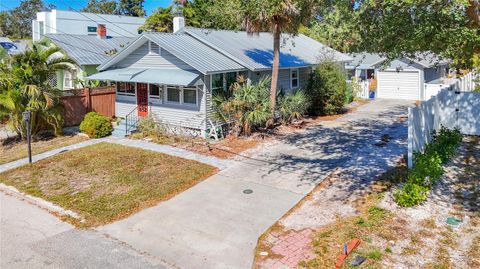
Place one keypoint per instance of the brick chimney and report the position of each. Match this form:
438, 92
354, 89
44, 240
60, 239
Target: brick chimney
102, 31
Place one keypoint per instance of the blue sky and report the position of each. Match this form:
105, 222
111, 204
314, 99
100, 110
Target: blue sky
150, 5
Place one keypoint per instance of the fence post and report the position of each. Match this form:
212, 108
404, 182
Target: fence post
88, 100
410, 139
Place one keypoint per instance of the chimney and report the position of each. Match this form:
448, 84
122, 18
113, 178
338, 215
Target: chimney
102, 31
178, 21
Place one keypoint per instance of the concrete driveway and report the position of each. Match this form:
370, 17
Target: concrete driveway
216, 223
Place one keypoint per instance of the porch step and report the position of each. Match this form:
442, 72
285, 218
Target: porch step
119, 130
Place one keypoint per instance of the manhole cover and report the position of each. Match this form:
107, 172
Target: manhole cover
247, 191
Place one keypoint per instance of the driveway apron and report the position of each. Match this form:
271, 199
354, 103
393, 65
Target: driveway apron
216, 223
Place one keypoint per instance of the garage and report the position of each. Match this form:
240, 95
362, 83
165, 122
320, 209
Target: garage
403, 85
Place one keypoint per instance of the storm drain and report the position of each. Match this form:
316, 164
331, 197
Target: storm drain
247, 191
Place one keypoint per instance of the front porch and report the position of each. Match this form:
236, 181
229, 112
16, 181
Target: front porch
172, 97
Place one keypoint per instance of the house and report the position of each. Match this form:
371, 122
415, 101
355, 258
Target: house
83, 23
402, 78
88, 52
173, 76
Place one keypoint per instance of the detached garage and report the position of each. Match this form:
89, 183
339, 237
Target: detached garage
401, 78
405, 85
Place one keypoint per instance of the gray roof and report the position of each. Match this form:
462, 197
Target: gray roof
365, 60
88, 49
193, 52
164, 76
255, 51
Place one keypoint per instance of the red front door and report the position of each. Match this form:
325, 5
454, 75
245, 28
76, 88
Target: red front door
142, 99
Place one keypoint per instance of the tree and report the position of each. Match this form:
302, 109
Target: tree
401, 28
5, 22
21, 17
101, 7
160, 21
277, 17
24, 86
212, 14
131, 8
327, 89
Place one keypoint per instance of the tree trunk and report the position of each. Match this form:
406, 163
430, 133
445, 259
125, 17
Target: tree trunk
275, 66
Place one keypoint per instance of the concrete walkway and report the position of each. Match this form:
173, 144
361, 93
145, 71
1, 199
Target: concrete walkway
216, 224
178, 152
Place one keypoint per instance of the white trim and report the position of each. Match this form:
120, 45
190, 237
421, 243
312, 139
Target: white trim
297, 78
181, 97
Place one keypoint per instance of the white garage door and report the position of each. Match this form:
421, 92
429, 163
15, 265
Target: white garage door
398, 85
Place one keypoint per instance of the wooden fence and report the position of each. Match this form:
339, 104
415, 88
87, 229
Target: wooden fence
77, 103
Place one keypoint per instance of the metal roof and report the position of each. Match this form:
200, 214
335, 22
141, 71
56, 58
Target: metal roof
160, 76
88, 49
195, 53
365, 60
255, 51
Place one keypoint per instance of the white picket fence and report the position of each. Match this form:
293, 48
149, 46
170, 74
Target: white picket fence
452, 109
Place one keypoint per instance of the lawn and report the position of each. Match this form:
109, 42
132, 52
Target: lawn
106, 182
11, 150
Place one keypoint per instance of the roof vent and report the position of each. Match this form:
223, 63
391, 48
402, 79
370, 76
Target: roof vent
178, 21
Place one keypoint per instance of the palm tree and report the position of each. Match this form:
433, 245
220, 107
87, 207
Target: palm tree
277, 17
24, 86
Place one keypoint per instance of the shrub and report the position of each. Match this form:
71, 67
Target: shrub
293, 106
96, 125
248, 108
327, 89
410, 194
427, 169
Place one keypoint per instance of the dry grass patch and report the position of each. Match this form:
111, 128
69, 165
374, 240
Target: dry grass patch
12, 150
106, 182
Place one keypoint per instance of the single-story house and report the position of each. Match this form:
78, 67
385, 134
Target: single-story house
402, 78
88, 52
173, 76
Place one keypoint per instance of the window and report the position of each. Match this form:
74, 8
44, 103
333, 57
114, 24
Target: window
293, 78
69, 78
217, 84
230, 78
126, 88
190, 96
41, 28
154, 92
173, 94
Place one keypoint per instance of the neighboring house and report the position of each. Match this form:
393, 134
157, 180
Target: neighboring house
88, 52
401, 78
173, 76
82, 23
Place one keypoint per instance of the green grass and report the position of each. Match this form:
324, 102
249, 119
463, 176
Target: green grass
106, 182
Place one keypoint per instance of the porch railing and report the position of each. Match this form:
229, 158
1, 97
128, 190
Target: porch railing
131, 121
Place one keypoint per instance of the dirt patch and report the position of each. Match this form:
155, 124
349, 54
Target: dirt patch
106, 182
14, 149
444, 232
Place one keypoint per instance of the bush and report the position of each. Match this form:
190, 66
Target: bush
427, 169
293, 106
96, 125
327, 89
248, 108
410, 195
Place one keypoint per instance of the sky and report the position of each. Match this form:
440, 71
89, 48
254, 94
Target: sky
150, 5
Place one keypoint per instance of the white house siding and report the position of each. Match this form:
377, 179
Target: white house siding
124, 105
435, 73
141, 58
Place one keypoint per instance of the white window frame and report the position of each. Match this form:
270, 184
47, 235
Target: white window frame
196, 96
181, 101
126, 93
293, 70
154, 98
71, 76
